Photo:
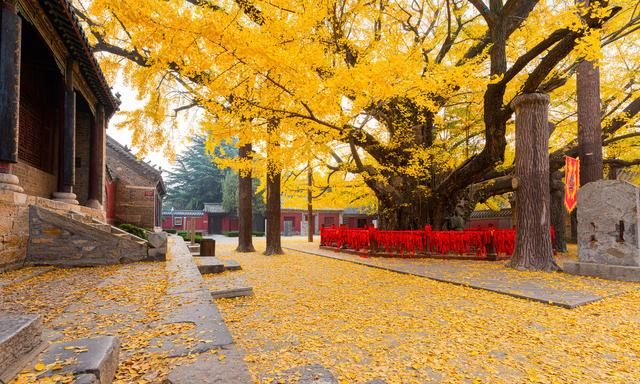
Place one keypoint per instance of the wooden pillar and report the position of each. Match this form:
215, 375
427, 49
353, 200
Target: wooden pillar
67, 177
10, 44
96, 160
533, 238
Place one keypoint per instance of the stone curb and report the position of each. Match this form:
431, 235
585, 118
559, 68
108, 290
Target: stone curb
565, 305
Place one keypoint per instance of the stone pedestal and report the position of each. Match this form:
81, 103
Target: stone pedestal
10, 182
608, 231
95, 204
66, 197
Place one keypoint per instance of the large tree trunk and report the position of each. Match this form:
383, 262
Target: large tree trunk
274, 246
533, 239
589, 122
310, 222
245, 214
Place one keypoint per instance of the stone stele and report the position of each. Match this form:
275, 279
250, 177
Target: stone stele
608, 231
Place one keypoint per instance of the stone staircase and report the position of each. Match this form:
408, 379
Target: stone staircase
22, 346
74, 239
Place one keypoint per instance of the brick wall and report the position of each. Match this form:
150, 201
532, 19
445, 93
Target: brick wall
34, 181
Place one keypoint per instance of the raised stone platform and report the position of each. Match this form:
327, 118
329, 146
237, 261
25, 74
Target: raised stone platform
196, 307
94, 360
207, 265
20, 341
605, 271
560, 289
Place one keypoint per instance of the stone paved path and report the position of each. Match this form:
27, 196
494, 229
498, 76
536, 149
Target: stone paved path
556, 289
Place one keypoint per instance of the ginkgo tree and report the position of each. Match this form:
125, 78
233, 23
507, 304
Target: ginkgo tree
418, 90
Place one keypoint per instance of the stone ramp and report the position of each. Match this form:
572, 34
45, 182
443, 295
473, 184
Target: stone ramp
20, 341
562, 290
79, 240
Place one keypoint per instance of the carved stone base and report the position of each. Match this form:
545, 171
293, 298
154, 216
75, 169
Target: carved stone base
95, 204
603, 271
66, 197
10, 182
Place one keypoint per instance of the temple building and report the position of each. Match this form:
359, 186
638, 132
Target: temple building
54, 107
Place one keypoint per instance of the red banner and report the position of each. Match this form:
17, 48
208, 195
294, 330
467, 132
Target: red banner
571, 183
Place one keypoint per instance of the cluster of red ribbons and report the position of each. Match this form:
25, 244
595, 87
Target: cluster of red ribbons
472, 241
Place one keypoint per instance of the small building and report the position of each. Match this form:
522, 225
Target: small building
134, 188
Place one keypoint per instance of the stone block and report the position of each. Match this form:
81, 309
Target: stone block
20, 340
96, 356
157, 254
604, 271
231, 265
232, 292
609, 223
12, 197
157, 239
207, 265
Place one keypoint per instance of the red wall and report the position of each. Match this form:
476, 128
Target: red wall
230, 223
110, 190
329, 219
202, 223
297, 218
352, 221
499, 223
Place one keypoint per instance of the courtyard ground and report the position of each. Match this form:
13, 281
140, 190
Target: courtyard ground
361, 323
365, 323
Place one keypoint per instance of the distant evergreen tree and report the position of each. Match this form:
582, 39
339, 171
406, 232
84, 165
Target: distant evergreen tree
230, 194
195, 179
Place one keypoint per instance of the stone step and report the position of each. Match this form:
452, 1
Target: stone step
231, 265
93, 360
207, 265
232, 292
20, 341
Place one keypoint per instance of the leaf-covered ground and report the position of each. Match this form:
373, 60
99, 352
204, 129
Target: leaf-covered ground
128, 301
361, 323
364, 323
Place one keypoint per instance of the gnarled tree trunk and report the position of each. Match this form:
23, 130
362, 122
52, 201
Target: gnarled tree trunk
533, 238
245, 214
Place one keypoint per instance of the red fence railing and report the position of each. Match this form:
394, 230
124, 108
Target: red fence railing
481, 243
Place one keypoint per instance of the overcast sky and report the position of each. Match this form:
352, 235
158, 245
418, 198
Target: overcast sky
123, 136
